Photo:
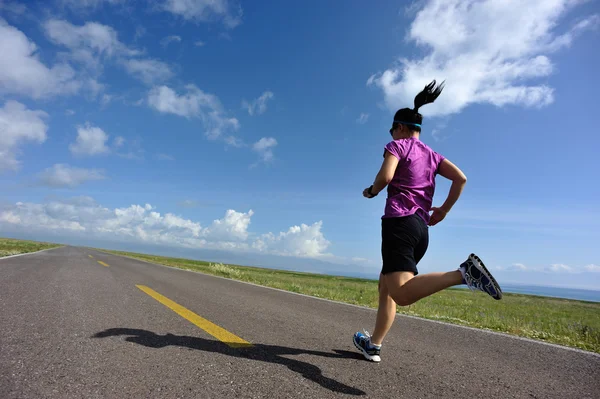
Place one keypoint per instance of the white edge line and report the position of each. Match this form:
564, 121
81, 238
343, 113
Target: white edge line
568, 348
29, 253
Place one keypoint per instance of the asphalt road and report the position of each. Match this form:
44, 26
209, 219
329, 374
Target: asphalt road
71, 327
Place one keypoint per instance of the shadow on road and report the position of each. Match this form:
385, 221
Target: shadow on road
260, 352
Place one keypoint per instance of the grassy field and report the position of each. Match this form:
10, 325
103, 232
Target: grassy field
561, 321
9, 246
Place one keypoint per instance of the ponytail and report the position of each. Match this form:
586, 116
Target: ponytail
428, 95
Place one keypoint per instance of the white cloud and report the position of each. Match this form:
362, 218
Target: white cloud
21, 71
205, 11
140, 31
558, 268
264, 147
143, 224
519, 266
147, 70
83, 4
362, 119
259, 105
234, 141
170, 39
515, 267
87, 41
18, 125
199, 43
12, 7
93, 43
69, 112
592, 268
188, 203
554, 268
194, 104
233, 227
62, 175
488, 52
303, 240
106, 98
165, 157
118, 141
90, 140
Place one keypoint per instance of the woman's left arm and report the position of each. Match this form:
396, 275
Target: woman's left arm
384, 177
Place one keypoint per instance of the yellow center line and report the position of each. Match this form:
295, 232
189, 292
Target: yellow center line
220, 333
102, 263
91, 256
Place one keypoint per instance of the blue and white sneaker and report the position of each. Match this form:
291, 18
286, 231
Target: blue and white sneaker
477, 277
363, 344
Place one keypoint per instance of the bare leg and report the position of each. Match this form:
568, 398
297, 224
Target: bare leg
386, 311
406, 292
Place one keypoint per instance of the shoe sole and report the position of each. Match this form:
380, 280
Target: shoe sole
375, 359
488, 275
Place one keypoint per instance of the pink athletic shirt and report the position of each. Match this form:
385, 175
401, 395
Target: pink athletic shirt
412, 188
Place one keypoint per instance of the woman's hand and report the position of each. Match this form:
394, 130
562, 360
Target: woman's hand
438, 215
367, 193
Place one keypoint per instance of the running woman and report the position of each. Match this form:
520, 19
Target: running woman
408, 171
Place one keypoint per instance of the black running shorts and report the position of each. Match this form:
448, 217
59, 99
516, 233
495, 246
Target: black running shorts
404, 241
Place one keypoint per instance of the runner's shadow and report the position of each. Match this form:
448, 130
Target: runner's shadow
261, 352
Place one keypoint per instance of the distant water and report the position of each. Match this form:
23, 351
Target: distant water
555, 292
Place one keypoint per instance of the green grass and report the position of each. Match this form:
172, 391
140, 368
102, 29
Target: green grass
560, 321
9, 246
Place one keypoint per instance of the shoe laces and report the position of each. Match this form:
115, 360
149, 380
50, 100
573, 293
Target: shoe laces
472, 283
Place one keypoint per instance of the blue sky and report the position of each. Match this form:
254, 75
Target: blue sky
248, 130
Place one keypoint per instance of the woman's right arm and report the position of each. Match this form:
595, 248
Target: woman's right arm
451, 172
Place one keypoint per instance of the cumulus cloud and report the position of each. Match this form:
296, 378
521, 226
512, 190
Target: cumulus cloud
264, 147
487, 51
13, 7
85, 4
188, 203
144, 224
514, 267
17, 126
170, 39
362, 119
592, 268
118, 141
62, 175
194, 103
233, 227
22, 73
165, 157
258, 106
558, 268
303, 240
87, 41
553, 268
148, 71
206, 11
93, 43
91, 140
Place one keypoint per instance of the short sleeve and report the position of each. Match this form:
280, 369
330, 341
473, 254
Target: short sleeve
438, 159
395, 149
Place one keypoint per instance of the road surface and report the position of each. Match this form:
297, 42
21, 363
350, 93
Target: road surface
78, 323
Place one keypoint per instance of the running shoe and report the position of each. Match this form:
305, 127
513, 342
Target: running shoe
477, 277
363, 344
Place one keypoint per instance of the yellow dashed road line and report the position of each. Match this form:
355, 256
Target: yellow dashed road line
220, 333
102, 263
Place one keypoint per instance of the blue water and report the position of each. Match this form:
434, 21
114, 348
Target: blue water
555, 292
